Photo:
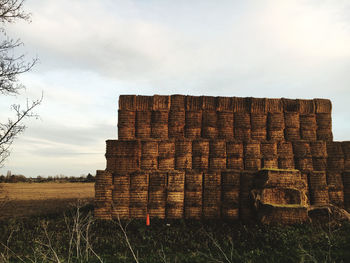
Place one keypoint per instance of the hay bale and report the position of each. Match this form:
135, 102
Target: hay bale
270, 163
193, 103
200, 147
335, 163
234, 149
302, 149
149, 162
280, 196
292, 120
292, 134
251, 149
183, 162
224, 104
144, 103
317, 180
318, 149
126, 124
143, 124
268, 149
285, 149
306, 106
324, 134
324, 120
258, 120
275, 135
157, 194
319, 197
336, 197
346, 149
193, 124
230, 194
258, 105
149, 148
103, 178
175, 195
282, 214
242, 134
334, 180
183, 147
279, 179
103, 212
217, 163
193, 194
209, 132
200, 162
208, 103
120, 197
225, 124
274, 105
275, 121
286, 163
161, 103
304, 164
217, 148
319, 163
252, 164
209, 118
259, 134
246, 212
242, 120
212, 194
335, 149
290, 105
127, 102
178, 102
323, 105
241, 104
308, 121
176, 127
236, 163
139, 182
308, 135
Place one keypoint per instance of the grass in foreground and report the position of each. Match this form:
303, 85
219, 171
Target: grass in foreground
77, 238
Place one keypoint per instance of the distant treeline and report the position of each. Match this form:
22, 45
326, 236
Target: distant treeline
39, 179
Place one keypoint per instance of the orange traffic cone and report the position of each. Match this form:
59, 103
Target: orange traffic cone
148, 221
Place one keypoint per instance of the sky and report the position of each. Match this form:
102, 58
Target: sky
92, 51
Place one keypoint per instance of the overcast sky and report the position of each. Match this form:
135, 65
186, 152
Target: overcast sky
91, 51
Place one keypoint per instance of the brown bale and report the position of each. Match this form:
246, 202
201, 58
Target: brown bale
251, 149
292, 120
334, 180
176, 132
280, 196
301, 149
259, 134
306, 106
177, 118
308, 135
274, 105
208, 103
245, 201
346, 149
178, 102
242, 134
144, 103
217, 148
292, 134
324, 134
176, 182
126, 133
127, 163
193, 124
275, 135
241, 104
319, 197
149, 162
200, 147
318, 149
209, 118
166, 149
139, 181
217, 163
103, 213
335, 163
128, 148
235, 163
303, 163
209, 132
161, 102
193, 103
323, 105
200, 162
126, 118
175, 195
149, 148
308, 121
268, 149
317, 180
212, 194
242, 120
319, 163
287, 215
252, 164
324, 120
193, 133
285, 149
157, 194
275, 121
224, 104
234, 148
286, 163
183, 147
230, 194
193, 194
103, 178
290, 105
336, 197
279, 179
334, 149
143, 124
127, 102
183, 162
270, 163
225, 124
258, 120
258, 105
120, 196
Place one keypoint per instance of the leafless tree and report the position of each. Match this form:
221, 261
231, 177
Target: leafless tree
11, 66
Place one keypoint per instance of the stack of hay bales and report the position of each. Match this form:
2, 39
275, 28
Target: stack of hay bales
197, 157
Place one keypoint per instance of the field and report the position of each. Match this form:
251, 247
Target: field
25, 199
60, 229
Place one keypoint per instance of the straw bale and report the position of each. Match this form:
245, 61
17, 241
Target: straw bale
274, 105
159, 117
286, 163
292, 134
242, 134
212, 194
178, 102
176, 132
177, 118
144, 103
347, 163
121, 182
157, 180
111, 164
292, 120
234, 149
130, 148
241, 104
208, 103
319, 197
193, 103
193, 119
258, 105
103, 194
183, 162
303, 163
308, 121
143, 124
290, 105
166, 163
318, 149
301, 149
200, 162
275, 135
336, 197
138, 211
217, 163
317, 180
149, 148
308, 135
334, 180
259, 134
127, 102
251, 149
193, 212
193, 133
126, 133
193, 181
324, 134
126, 118
278, 214
285, 149
346, 149
230, 198
323, 105
306, 106
252, 163
156, 204
143, 132
324, 120
234, 162
200, 147
225, 119
346, 181
217, 148
103, 178
139, 181
176, 181
258, 120
230, 180
280, 196
212, 179
209, 132
319, 163
127, 163
279, 179
242, 120
166, 149
183, 147
161, 103
138, 198
335, 163
275, 121
224, 104
226, 133
120, 212
230, 213
103, 213
149, 162
334, 149
193, 194
268, 149
174, 212
245, 200
270, 163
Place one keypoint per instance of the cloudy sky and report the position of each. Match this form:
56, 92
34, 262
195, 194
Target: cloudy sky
91, 51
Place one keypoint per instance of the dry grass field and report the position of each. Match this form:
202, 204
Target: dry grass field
25, 199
